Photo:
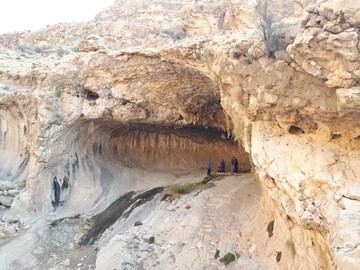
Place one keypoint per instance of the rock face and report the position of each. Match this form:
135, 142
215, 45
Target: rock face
280, 77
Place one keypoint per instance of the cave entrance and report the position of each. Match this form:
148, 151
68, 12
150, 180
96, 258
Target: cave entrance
171, 149
107, 158
164, 148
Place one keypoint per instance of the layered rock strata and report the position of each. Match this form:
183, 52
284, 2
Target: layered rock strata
283, 76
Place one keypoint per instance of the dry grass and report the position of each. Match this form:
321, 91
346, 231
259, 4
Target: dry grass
178, 190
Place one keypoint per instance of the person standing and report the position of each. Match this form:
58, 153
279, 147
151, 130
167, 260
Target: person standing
236, 165
222, 166
233, 164
208, 166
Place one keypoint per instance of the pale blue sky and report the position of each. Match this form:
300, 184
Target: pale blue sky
17, 15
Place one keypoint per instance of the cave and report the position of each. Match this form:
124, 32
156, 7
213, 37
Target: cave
116, 112
90, 95
155, 148
166, 123
336, 136
113, 157
296, 130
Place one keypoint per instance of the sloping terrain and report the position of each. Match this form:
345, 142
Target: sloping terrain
187, 231
151, 90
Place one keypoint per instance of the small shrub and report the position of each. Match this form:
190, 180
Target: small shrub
39, 49
151, 239
290, 245
92, 103
278, 256
81, 115
138, 223
208, 178
189, 187
58, 91
61, 52
270, 228
23, 48
228, 258
182, 189
56, 222
217, 254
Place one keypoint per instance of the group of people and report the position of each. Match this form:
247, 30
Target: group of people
221, 167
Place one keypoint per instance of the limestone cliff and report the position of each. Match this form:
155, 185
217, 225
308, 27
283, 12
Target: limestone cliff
166, 85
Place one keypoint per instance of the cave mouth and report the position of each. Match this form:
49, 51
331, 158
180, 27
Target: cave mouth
164, 148
107, 158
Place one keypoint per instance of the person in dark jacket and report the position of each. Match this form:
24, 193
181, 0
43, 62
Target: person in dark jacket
234, 165
208, 166
222, 166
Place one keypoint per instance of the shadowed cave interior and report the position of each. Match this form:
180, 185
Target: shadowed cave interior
107, 156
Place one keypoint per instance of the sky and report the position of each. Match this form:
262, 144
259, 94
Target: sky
18, 15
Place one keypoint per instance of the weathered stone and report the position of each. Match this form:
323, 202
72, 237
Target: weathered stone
6, 185
355, 20
92, 43
289, 96
333, 28
348, 100
13, 192
6, 200
351, 192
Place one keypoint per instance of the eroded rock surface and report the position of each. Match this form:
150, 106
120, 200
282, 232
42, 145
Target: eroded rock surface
188, 77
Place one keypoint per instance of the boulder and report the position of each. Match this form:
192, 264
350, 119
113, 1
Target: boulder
333, 28
6, 200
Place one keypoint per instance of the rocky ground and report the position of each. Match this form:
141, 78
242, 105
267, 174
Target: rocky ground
187, 231
162, 85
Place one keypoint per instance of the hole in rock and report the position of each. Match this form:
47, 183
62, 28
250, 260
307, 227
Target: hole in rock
134, 153
124, 101
237, 55
56, 187
296, 130
289, 218
90, 95
158, 148
65, 183
179, 118
110, 157
336, 136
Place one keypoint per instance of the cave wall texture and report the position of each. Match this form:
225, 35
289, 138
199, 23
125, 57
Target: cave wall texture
281, 77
